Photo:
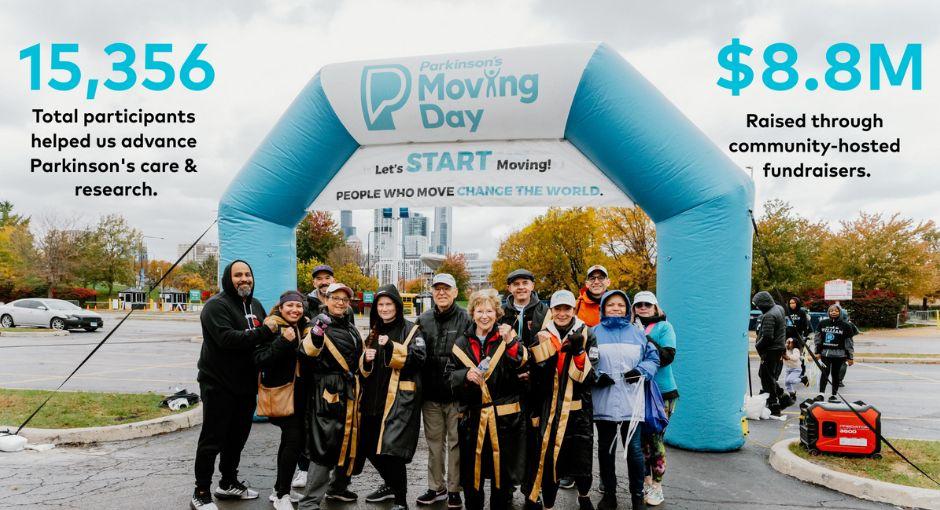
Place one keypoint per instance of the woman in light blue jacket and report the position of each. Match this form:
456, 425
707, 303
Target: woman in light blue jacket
624, 357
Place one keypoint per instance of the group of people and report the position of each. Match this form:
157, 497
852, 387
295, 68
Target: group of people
782, 337
508, 391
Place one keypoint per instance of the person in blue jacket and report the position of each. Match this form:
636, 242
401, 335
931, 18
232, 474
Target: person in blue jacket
625, 359
651, 318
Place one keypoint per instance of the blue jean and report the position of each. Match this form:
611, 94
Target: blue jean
607, 456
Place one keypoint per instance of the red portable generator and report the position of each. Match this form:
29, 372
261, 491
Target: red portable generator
827, 427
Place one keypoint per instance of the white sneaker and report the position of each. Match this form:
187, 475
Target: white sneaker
283, 503
202, 501
238, 490
300, 480
655, 496
294, 496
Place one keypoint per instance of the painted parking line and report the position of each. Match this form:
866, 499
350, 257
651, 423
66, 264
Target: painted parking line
899, 372
99, 374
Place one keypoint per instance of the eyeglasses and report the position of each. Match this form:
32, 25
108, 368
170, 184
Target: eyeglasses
643, 305
342, 300
441, 290
596, 278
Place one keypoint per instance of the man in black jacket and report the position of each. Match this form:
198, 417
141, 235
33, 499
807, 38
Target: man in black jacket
770, 344
231, 329
440, 327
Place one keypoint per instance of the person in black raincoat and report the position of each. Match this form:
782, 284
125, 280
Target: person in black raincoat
561, 363
799, 328
390, 368
483, 372
278, 365
835, 347
329, 363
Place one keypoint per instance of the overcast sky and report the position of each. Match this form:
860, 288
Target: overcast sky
265, 52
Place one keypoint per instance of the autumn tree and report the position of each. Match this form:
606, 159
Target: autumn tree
16, 245
557, 247
317, 234
351, 275
455, 265
628, 237
112, 251
413, 286
8, 219
792, 245
57, 251
342, 255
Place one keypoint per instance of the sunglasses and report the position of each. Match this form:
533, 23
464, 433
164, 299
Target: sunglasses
642, 305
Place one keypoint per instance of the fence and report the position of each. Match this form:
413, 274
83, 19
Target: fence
920, 318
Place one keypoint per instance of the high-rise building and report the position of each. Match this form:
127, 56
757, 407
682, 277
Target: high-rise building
199, 253
416, 224
441, 240
346, 224
386, 244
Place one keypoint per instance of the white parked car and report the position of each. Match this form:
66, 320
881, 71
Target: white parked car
48, 313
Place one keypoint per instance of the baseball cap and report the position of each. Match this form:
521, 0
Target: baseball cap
597, 267
520, 273
645, 297
339, 287
322, 268
562, 297
444, 278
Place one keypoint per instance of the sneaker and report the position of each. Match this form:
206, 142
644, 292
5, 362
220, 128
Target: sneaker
342, 495
819, 398
600, 487
608, 502
235, 490
283, 503
805, 381
431, 496
381, 494
300, 480
532, 505
637, 502
294, 496
834, 399
566, 483
453, 500
584, 503
202, 500
654, 497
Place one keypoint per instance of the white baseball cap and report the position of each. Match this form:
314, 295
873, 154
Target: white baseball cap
339, 287
645, 297
562, 297
597, 267
445, 279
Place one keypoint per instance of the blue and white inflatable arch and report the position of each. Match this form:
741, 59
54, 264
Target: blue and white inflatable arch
569, 124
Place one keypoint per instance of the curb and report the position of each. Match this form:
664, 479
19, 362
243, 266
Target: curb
51, 332
873, 359
786, 462
121, 432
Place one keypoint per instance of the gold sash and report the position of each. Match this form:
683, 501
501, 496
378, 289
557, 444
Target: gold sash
351, 426
393, 381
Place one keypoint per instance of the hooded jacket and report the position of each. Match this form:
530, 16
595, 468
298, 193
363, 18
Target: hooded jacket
587, 309
799, 326
391, 382
491, 430
622, 347
771, 327
660, 332
231, 329
330, 365
834, 338
440, 330
565, 442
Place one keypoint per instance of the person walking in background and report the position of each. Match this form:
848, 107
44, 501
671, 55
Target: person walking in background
659, 331
228, 386
329, 361
770, 344
278, 365
393, 355
563, 360
799, 328
482, 372
835, 347
624, 358
440, 327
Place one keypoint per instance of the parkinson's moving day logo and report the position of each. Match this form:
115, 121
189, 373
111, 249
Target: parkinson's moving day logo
453, 92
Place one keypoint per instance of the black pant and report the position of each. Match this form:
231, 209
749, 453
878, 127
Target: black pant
607, 457
550, 488
303, 463
831, 367
392, 469
288, 452
770, 367
226, 423
499, 498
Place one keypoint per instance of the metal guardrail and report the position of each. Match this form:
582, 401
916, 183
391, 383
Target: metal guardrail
920, 318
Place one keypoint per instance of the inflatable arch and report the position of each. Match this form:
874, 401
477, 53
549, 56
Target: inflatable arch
571, 124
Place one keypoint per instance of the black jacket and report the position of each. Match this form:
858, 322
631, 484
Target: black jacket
332, 393
799, 326
503, 409
277, 360
834, 339
532, 320
771, 326
231, 329
440, 330
391, 386
565, 419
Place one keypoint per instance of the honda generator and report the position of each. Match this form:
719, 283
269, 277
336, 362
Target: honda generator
828, 427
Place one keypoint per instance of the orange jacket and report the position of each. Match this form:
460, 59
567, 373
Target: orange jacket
587, 309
